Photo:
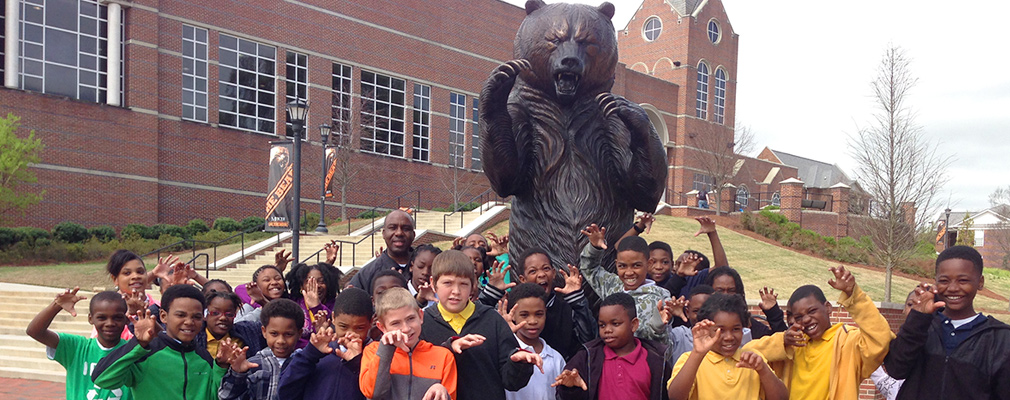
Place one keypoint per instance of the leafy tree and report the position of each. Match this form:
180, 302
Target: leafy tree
16, 155
965, 235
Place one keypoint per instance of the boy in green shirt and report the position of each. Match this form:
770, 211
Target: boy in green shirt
78, 354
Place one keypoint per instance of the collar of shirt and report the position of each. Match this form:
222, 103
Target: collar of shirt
831, 332
715, 358
457, 320
636, 355
543, 353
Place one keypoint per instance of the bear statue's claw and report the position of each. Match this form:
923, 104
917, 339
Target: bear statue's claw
514, 67
608, 103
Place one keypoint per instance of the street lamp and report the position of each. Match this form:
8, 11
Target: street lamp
324, 134
946, 229
297, 111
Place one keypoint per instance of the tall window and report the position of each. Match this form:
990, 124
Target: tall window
194, 73
475, 138
742, 196
246, 71
457, 129
422, 121
63, 48
297, 80
382, 113
720, 95
341, 108
701, 100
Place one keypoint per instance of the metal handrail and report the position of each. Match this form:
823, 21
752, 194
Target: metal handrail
375, 209
488, 194
215, 244
371, 232
206, 265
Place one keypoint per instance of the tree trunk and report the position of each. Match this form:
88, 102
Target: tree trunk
343, 203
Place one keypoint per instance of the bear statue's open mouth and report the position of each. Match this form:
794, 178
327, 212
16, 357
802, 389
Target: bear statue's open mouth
566, 83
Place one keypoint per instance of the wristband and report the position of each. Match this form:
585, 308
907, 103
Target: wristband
637, 229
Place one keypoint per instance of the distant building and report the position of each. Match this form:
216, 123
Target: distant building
818, 177
990, 228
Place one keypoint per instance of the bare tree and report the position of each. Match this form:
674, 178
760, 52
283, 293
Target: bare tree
458, 183
898, 167
343, 143
717, 156
999, 233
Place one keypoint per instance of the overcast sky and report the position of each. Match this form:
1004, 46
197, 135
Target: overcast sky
805, 68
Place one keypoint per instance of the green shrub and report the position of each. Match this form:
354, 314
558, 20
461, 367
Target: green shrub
250, 223
195, 227
30, 235
166, 229
70, 232
371, 214
212, 235
8, 237
136, 231
103, 233
226, 224
310, 221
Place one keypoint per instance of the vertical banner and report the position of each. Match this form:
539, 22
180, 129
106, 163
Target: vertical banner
279, 208
331, 168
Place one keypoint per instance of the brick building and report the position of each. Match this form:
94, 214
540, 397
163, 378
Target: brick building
990, 231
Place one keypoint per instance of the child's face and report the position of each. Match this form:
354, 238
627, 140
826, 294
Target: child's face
616, 329
132, 277
420, 269
724, 284
281, 335
632, 268
453, 292
382, 283
404, 319
270, 283
343, 323
534, 312
731, 334
694, 306
184, 319
478, 262
220, 316
109, 319
317, 276
659, 264
957, 283
476, 240
812, 315
538, 269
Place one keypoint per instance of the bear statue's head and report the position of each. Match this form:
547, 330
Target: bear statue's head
572, 49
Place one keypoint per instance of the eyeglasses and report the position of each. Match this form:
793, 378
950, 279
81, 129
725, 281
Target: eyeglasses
216, 313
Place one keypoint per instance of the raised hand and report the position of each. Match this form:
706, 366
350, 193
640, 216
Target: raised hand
458, 242
573, 280
597, 236
180, 275
255, 294
145, 328
165, 264
379, 252
310, 293
466, 342
645, 221
688, 266
237, 358
496, 276
924, 299
436, 392
320, 321
769, 298
673, 307
281, 260
225, 351
707, 225
331, 249
794, 336
751, 360
135, 302
706, 335
68, 299
843, 280
570, 378
425, 293
321, 340
528, 357
503, 306
354, 346
499, 245
395, 338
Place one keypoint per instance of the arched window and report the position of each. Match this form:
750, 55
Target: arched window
742, 196
776, 199
701, 100
652, 28
714, 32
720, 95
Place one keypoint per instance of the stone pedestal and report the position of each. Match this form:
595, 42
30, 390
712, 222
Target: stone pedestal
792, 199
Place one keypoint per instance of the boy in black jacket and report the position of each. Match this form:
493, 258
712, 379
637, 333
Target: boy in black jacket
945, 350
488, 359
583, 376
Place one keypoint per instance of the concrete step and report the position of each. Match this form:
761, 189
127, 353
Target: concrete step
25, 373
38, 362
77, 324
28, 315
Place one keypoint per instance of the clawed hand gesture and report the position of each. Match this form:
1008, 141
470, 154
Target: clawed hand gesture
706, 335
597, 236
255, 295
180, 275
466, 342
751, 360
379, 252
234, 356
161, 271
769, 298
68, 299
570, 378
320, 320
135, 302
145, 327
496, 276
645, 221
707, 225
281, 260
843, 280
573, 280
924, 299
310, 293
528, 357
673, 307
499, 245
688, 266
503, 306
794, 336
331, 249
397, 339
425, 293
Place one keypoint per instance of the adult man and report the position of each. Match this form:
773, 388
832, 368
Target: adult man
398, 233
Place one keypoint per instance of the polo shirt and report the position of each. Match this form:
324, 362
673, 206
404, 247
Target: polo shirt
956, 331
457, 320
214, 344
812, 367
539, 386
718, 377
625, 377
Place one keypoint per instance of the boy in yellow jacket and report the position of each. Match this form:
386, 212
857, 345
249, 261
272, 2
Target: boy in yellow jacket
817, 360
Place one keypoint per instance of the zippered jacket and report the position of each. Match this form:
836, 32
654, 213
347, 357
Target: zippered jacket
166, 370
589, 363
391, 373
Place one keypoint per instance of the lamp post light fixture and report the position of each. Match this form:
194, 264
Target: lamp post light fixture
946, 229
297, 111
324, 135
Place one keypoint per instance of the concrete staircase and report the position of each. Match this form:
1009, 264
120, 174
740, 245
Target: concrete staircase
21, 356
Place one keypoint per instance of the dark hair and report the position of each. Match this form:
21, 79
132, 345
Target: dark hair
484, 259
966, 253
256, 274
353, 301
110, 296
720, 302
700, 289
728, 271
181, 292
214, 281
521, 266
232, 297
120, 258
633, 243
704, 263
525, 291
283, 308
805, 291
389, 272
657, 245
622, 299
422, 248
300, 273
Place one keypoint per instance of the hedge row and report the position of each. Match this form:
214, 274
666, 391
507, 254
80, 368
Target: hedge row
71, 232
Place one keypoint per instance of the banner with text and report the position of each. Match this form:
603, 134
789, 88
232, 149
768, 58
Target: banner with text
280, 205
331, 169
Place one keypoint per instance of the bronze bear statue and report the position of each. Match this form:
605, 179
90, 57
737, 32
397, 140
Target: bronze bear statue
553, 136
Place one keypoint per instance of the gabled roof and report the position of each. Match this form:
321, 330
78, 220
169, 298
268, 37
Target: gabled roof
686, 8
815, 174
957, 217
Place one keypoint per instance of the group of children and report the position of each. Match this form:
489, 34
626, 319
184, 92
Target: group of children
473, 324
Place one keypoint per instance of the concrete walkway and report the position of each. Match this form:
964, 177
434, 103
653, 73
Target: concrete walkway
27, 389
17, 287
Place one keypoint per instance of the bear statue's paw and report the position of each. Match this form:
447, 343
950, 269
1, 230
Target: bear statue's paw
512, 68
608, 103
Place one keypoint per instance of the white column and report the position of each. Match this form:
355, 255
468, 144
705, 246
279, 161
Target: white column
115, 44
12, 24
